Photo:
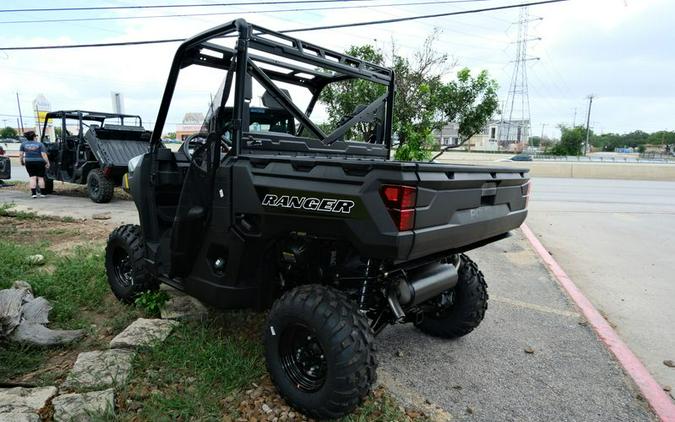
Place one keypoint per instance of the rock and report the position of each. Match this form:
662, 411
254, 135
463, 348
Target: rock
39, 335
22, 284
36, 259
37, 311
266, 408
22, 318
19, 417
23, 401
101, 216
143, 333
529, 350
669, 363
11, 303
667, 388
81, 407
100, 369
183, 308
399, 354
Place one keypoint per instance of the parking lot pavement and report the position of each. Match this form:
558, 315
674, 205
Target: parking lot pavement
616, 240
120, 212
488, 376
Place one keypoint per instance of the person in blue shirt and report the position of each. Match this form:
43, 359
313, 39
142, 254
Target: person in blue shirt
33, 155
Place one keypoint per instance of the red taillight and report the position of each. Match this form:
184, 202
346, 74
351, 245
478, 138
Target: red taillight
401, 202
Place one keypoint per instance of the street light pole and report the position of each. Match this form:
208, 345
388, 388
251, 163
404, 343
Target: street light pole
588, 123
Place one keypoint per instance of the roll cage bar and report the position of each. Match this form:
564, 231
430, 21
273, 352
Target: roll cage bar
338, 67
80, 115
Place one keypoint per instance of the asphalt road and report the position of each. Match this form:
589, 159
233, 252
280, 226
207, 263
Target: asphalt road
616, 240
487, 375
19, 172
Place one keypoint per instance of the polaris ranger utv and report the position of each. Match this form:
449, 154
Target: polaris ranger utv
336, 238
97, 153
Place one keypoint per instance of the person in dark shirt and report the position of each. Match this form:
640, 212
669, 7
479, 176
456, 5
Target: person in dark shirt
33, 155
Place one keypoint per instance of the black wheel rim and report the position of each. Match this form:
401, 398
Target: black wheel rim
122, 267
302, 358
93, 185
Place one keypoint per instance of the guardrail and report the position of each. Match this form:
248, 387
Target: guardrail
602, 159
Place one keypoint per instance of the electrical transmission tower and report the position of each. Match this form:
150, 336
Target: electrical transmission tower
515, 121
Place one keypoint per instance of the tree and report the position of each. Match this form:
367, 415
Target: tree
469, 101
571, 141
423, 101
171, 135
8, 132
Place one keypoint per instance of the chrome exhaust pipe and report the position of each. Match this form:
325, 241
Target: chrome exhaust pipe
426, 283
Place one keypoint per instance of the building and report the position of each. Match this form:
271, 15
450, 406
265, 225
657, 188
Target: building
192, 123
495, 136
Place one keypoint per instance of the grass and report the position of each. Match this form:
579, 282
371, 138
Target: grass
18, 359
74, 283
188, 376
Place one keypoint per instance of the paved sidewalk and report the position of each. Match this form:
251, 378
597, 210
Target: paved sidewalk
120, 212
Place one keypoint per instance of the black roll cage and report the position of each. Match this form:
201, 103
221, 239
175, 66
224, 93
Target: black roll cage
341, 67
80, 115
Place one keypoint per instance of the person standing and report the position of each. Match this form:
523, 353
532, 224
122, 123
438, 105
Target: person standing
33, 155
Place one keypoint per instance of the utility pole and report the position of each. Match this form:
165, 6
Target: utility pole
18, 104
588, 123
543, 125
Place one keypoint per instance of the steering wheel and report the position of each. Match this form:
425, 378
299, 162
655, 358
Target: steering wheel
197, 140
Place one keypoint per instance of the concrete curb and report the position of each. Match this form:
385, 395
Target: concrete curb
652, 391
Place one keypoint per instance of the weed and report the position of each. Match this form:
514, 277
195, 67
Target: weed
151, 302
18, 359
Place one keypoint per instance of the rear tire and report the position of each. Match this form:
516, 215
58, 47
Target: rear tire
125, 265
320, 351
468, 309
99, 187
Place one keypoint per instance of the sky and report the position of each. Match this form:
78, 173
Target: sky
621, 51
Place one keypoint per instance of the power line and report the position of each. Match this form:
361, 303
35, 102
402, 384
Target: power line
175, 6
186, 15
315, 28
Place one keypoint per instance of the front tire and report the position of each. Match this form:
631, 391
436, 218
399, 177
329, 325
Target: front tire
99, 187
125, 265
470, 301
320, 351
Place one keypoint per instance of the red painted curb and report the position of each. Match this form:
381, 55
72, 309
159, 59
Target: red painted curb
651, 390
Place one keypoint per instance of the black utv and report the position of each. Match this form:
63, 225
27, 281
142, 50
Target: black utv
92, 148
336, 238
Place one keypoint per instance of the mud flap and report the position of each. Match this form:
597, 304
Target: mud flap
5, 168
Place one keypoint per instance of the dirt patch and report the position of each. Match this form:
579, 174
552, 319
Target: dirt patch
53, 370
62, 236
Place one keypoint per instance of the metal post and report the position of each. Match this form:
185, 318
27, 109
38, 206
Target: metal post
18, 104
588, 123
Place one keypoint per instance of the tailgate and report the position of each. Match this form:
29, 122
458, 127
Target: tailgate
115, 147
461, 205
